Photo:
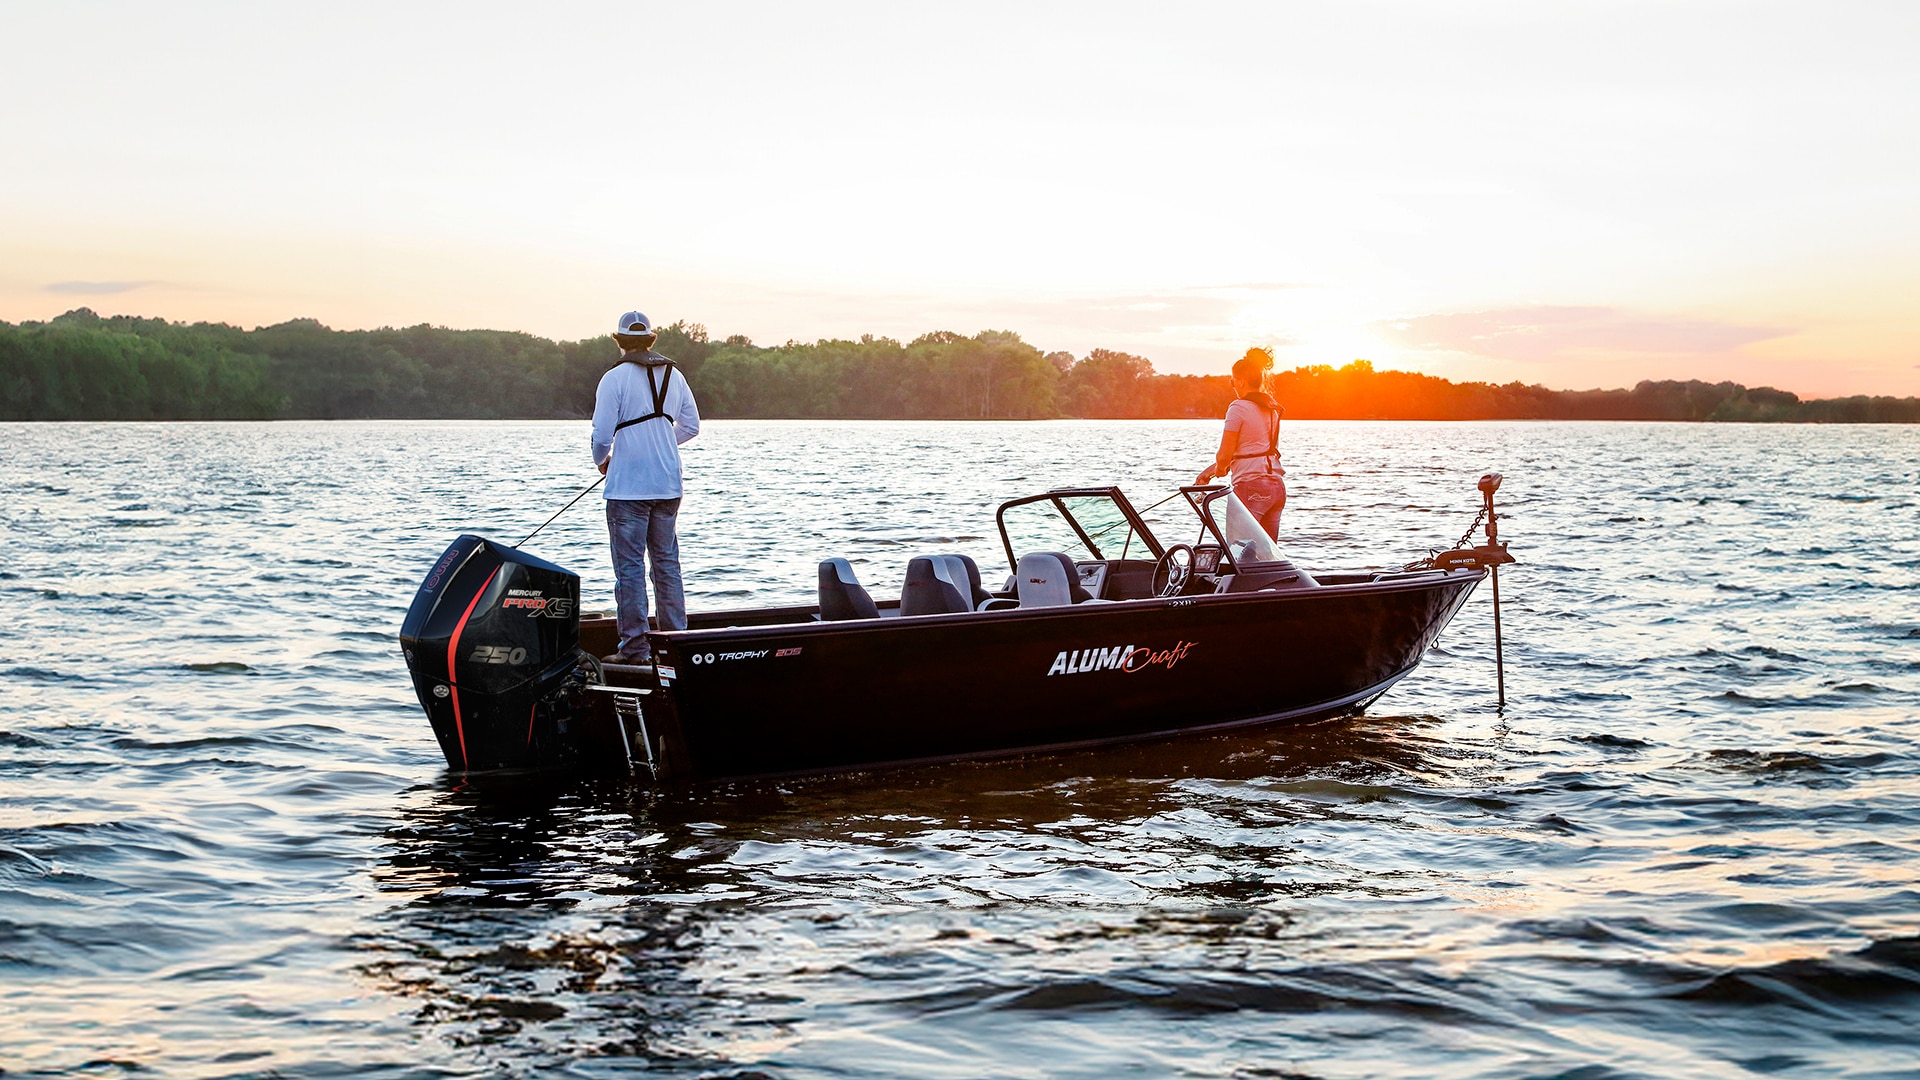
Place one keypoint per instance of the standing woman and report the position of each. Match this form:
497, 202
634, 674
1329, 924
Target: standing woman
1250, 446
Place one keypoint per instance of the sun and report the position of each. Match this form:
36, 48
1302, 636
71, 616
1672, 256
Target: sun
1337, 344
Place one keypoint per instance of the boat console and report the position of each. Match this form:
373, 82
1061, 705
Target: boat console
1078, 546
1093, 577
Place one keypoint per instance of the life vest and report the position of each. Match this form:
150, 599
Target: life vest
659, 391
1273, 410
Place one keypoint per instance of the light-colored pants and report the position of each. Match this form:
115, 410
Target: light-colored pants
641, 531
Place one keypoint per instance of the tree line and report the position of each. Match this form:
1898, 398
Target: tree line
81, 366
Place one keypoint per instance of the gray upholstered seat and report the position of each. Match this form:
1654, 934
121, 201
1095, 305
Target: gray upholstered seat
968, 576
1045, 579
841, 595
935, 586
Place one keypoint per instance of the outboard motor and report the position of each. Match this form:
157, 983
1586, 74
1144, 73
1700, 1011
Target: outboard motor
493, 642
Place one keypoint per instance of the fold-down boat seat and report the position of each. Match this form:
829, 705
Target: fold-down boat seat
967, 576
934, 588
841, 596
1048, 579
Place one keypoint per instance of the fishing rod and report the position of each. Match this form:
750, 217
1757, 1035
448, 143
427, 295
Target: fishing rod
564, 509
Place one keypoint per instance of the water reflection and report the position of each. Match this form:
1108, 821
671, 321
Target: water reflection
564, 917
531, 921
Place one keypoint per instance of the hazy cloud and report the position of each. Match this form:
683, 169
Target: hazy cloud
1135, 314
1547, 333
95, 288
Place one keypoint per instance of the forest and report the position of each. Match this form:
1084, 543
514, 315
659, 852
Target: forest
82, 366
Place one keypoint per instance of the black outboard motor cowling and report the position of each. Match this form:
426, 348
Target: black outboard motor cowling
493, 642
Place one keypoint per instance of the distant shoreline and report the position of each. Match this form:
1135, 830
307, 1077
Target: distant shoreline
940, 420
81, 366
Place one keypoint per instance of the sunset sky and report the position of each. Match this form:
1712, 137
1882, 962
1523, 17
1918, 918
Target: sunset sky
1575, 194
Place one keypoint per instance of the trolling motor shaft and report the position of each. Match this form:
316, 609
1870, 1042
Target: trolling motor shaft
1490, 555
1489, 484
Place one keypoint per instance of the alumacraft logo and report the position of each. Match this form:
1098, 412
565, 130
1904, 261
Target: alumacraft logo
1127, 658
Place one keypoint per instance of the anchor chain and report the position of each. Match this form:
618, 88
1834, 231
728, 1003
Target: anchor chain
1478, 517
1426, 562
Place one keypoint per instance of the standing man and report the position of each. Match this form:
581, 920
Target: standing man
642, 412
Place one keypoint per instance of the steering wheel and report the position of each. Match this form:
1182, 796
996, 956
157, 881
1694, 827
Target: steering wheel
1170, 574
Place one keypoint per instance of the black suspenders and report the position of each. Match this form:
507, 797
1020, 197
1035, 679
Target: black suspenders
659, 396
1272, 452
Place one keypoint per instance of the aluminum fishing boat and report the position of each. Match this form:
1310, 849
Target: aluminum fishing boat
1103, 632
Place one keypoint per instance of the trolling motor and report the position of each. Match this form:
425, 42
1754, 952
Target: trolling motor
493, 643
1490, 555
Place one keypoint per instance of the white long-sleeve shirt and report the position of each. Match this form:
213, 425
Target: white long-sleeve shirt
646, 457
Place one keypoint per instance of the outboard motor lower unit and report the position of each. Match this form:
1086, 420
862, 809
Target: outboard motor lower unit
493, 642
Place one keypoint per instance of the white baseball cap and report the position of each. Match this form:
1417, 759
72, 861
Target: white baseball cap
634, 324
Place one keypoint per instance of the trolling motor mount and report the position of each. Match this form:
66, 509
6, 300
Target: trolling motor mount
1490, 554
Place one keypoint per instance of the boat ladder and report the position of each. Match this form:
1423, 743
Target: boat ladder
626, 703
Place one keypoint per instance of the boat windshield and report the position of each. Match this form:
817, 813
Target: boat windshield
1246, 541
1224, 520
1082, 526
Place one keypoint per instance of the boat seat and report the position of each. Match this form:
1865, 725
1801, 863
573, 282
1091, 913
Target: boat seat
969, 577
1048, 579
841, 596
933, 587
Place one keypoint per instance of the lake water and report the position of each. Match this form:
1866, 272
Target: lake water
1690, 846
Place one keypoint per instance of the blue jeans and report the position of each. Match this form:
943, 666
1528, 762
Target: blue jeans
1264, 497
641, 531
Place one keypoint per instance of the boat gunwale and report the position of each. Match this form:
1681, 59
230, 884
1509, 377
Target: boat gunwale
1449, 578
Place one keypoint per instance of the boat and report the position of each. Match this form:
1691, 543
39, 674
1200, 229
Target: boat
1102, 632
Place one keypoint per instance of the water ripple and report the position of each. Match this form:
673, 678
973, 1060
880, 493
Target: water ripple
1688, 847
